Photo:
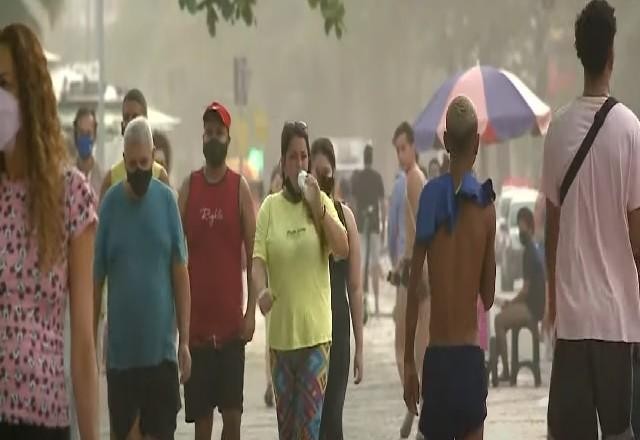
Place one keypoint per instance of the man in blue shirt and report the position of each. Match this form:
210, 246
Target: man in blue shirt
395, 239
140, 248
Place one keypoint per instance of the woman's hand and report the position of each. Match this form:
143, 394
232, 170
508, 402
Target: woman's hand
312, 195
358, 367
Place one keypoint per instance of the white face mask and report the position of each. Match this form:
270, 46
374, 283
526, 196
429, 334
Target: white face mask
9, 120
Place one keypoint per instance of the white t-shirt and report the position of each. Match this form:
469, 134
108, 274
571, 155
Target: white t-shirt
596, 279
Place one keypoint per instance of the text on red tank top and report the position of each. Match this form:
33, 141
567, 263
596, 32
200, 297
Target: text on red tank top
214, 236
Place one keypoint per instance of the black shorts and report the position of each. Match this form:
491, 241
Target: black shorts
590, 381
454, 392
153, 393
217, 380
31, 432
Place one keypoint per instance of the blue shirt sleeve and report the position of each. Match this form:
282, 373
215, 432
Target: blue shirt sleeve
178, 245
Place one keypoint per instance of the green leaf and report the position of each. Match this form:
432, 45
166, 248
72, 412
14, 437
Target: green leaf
227, 8
212, 20
333, 12
190, 5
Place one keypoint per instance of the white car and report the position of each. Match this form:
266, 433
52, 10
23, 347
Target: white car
508, 247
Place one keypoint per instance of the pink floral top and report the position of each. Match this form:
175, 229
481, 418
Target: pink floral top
32, 307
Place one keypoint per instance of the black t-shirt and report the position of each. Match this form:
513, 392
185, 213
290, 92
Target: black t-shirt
368, 192
533, 272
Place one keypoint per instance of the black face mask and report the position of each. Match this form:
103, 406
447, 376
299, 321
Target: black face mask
294, 195
139, 181
215, 152
524, 237
326, 184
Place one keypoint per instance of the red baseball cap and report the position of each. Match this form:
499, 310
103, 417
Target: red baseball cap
221, 110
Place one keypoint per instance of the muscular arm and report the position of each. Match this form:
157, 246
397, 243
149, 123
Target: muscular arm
258, 274
488, 278
248, 216
182, 294
413, 302
415, 183
183, 196
98, 287
84, 370
334, 231
551, 247
354, 288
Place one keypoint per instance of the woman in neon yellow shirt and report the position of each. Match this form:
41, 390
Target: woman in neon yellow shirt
296, 232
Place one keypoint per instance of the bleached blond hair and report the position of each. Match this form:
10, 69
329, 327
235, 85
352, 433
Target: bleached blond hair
461, 124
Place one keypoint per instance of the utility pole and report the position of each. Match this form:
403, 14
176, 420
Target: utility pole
101, 78
241, 98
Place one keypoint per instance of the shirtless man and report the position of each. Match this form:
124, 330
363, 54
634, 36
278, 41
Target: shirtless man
455, 231
403, 141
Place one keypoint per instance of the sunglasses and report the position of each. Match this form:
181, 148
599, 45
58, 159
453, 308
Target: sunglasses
299, 125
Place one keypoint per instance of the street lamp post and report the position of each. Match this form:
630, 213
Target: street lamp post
101, 78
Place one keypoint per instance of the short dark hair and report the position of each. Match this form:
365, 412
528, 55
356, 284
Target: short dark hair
368, 155
526, 215
135, 95
595, 29
325, 147
81, 113
404, 128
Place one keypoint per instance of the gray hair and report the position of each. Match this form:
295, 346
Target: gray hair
138, 131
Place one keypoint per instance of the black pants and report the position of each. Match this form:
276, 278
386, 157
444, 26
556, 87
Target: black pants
337, 381
30, 432
590, 381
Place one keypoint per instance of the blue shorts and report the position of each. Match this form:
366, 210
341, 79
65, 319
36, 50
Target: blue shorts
454, 392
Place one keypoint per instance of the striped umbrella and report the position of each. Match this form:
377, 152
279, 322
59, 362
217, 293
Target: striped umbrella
506, 107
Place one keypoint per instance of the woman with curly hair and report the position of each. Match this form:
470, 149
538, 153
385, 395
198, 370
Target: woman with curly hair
47, 230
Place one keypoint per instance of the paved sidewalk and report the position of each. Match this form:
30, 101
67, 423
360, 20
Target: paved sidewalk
374, 409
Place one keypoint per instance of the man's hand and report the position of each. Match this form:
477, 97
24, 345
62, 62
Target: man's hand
184, 363
358, 367
248, 327
411, 388
265, 302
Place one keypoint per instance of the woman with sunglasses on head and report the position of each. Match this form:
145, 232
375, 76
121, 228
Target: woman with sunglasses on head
47, 231
345, 277
297, 230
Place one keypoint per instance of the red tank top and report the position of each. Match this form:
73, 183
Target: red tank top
214, 236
